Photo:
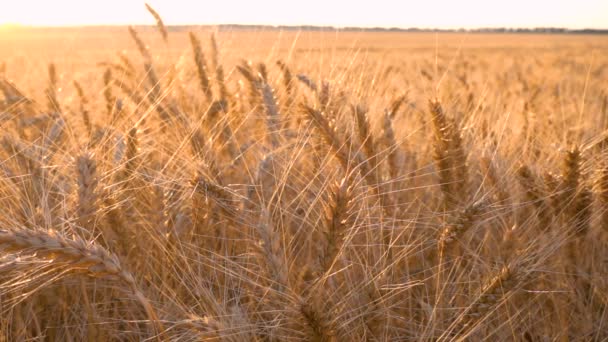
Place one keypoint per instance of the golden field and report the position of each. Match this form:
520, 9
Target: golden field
302, 186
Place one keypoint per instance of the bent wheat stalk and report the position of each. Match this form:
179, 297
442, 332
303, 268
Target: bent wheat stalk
90, 258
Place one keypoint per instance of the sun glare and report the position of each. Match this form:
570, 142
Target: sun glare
7, 26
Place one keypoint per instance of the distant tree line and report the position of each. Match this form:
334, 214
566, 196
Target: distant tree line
552, 30
237, 27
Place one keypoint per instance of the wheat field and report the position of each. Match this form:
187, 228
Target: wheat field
247, 185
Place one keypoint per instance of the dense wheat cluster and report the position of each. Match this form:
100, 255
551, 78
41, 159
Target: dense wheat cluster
313, 186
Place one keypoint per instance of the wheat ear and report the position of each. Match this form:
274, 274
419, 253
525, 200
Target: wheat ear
86, 119
159, 23
88, 257
201, 66
449, 156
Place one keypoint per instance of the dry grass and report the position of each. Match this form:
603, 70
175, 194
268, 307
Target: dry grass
370, 187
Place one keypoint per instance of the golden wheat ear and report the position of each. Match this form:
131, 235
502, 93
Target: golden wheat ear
201, 66
273, 117
224, 95
159, 23
84, 111
51, 90
88, 180
450, 158
602, 198
83, 257
288, 81
336, 222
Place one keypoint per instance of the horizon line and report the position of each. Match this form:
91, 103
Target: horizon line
307, 27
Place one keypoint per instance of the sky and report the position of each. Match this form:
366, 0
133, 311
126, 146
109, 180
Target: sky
384, 13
